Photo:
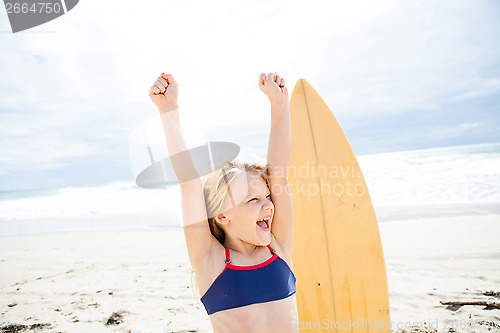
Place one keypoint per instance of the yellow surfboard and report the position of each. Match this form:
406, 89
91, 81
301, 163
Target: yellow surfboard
337, 252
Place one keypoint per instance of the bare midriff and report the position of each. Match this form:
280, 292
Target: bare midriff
275, 316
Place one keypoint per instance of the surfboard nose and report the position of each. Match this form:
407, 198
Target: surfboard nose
300, 82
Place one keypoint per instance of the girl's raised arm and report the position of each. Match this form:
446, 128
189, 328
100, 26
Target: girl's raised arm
199, 239
278, 157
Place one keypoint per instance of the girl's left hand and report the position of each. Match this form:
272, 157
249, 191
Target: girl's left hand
274, 87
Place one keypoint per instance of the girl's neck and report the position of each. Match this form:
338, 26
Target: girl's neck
243, 248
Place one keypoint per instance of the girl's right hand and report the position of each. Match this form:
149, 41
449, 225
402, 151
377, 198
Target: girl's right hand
164, 93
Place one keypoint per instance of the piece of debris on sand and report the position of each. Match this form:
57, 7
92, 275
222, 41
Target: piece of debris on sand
492, 293
15, 328
418, 329
116, 318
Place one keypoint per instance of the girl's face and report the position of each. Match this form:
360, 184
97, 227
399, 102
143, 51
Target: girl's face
251, 201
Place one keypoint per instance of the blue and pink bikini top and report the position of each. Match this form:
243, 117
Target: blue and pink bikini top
238, 286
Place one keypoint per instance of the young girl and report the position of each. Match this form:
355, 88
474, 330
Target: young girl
238, 222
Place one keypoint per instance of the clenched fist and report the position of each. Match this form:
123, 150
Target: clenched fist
274, 87
164, 93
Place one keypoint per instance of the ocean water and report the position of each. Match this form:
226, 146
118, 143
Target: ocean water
450, 181
403, 185
460, 174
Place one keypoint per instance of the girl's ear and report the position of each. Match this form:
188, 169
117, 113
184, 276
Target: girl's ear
222, 219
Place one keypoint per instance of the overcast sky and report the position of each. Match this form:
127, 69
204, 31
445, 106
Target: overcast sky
398, 75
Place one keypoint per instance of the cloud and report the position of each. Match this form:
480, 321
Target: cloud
480, 87
412, 56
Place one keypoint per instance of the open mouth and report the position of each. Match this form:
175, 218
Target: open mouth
264, 223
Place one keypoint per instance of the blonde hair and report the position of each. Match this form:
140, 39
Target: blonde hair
218, 194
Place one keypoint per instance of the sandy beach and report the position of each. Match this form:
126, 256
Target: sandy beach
443, 259
76, 281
